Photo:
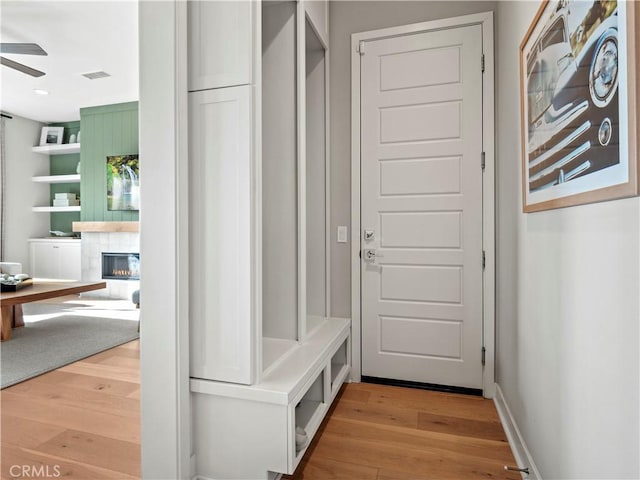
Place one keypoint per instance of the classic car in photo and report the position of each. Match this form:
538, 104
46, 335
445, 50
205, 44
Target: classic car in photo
572, 93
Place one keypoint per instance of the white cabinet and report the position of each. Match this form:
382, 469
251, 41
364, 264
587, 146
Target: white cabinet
220, 249
54, 258
220, 43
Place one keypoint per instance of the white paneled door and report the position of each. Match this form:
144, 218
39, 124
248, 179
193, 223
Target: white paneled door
421, 184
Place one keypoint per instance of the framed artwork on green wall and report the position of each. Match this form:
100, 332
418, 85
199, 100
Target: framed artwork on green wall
123, 182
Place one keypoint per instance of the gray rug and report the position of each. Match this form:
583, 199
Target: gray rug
58, 334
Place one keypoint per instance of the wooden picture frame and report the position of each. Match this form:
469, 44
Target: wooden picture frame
579, 130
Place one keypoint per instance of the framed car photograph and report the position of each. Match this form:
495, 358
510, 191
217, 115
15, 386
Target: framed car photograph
579, 96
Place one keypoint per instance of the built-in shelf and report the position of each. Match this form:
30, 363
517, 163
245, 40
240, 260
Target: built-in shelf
62, 149
57, 179
102, 227
56, 209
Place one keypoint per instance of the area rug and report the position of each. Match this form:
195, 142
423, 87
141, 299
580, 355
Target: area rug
55, 335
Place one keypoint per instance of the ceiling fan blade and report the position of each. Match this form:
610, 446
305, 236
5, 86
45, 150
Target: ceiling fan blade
20, 67
22, 48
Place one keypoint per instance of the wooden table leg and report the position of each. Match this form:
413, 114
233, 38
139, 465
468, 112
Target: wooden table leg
6, 319
18, 319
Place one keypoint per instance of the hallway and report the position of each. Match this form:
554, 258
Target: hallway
377, 432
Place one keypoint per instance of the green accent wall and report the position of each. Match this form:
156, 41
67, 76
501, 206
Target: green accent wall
64, 165
107, 130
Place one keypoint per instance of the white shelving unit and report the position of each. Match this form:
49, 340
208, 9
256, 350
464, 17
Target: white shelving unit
264, 356
57, 179
62, 149
56, 209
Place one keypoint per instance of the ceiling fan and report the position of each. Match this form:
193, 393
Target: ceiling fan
21, 49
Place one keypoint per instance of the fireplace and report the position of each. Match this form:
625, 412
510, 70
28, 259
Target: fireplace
120, 266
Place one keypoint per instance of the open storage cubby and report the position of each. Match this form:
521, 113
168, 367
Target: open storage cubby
308, 410
280, 247
339, 367
316, 179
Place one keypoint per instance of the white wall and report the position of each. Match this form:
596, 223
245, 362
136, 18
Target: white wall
568, 311
347, 17
21, 193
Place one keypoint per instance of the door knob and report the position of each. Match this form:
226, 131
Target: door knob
370, 255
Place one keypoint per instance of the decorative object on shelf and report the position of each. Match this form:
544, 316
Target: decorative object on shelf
78, 137
123, 183
78, 167
72, 138
577, 69
66, 200
51, 135
301, 438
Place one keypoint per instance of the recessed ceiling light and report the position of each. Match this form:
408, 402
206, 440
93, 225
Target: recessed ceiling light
39, 91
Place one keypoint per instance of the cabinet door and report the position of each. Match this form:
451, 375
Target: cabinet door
220, 39
45, 260
220, 249
69, 261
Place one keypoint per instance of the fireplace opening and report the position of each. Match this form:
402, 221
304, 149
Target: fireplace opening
120, 266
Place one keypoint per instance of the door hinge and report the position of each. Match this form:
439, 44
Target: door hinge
360, 253
482, 62
360, 48
484, 356
484, 259
483, 158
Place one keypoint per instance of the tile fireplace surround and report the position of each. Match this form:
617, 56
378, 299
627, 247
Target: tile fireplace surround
94, 243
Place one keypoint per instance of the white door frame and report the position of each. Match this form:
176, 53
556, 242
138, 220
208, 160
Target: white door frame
165, 403
488, 185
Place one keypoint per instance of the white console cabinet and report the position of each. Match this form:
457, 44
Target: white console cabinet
55, 258
265, 355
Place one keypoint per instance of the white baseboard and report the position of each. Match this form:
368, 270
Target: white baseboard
516, 442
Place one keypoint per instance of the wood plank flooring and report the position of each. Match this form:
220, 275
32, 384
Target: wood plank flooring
81, 421
377, 432
85, 419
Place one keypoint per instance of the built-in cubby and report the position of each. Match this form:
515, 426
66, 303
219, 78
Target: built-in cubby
266, 357
308, 412
316, 186
339, 368
280, 223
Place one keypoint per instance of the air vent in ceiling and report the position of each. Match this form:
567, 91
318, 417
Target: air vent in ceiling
95, 75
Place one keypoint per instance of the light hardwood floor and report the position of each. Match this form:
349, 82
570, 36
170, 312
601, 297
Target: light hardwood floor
81, 421
85, 419
377, 432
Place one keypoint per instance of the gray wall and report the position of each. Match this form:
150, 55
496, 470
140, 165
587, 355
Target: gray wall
568, 312
21, 193
347, 18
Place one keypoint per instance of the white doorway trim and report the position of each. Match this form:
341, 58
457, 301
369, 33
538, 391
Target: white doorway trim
488, 185
164, 236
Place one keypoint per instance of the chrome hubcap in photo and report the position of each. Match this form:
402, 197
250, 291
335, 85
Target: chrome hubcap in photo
604, 132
